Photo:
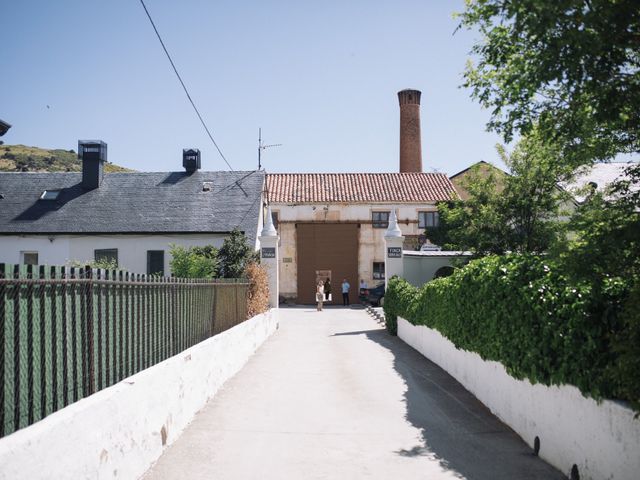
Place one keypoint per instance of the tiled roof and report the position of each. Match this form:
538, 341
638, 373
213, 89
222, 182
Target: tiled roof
165, 202
359, 187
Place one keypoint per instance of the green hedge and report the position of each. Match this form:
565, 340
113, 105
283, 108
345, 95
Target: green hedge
521, 311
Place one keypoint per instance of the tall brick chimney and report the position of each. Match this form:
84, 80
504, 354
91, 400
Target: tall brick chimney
410, 147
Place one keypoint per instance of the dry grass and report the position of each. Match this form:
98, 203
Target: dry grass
258, 296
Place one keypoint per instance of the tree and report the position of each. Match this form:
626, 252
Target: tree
606, 233
517, 212
569, 67
476, 224
531, 200
234, 255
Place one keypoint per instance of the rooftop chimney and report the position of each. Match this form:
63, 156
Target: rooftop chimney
93, 154
410, 147
191, 159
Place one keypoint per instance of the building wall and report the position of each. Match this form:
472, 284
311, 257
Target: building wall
419, 270
371, 240
132, 249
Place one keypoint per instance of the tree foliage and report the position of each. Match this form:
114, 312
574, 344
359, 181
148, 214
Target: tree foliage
571, 67
522, 311
606, 232
194, 262
234, 255
517, 212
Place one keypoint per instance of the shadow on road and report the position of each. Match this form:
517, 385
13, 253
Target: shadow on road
457, 429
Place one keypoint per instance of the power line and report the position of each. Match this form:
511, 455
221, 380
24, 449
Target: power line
184, 86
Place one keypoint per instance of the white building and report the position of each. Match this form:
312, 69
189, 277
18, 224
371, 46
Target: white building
332, 225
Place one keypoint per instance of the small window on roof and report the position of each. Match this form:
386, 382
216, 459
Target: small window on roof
49, 194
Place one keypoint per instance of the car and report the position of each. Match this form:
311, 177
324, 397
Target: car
375, 295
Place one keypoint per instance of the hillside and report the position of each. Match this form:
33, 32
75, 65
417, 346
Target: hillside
20, 158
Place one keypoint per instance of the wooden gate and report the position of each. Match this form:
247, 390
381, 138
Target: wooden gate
332, 250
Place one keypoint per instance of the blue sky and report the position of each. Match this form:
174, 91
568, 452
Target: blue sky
321, 78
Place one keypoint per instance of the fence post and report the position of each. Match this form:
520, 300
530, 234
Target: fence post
16, 348
30, 345
91, 385
2, 347
53, 289
174, 316
42, 340
269, 257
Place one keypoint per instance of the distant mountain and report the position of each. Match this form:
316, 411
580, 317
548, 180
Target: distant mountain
20, 158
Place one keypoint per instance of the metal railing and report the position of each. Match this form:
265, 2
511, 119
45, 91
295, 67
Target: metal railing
67, 332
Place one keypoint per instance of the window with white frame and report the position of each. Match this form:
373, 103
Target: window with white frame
428, 220
380, 219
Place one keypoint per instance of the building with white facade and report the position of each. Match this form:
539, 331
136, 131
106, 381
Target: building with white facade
333, 225
132, 218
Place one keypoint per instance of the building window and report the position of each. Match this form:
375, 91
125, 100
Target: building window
106, 255
428, 220
155, 262
380, 219
274, 218
378, 270
29, 258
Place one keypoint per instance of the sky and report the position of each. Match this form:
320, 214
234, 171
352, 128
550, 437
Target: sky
320, 78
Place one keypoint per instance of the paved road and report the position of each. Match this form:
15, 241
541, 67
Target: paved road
332, 396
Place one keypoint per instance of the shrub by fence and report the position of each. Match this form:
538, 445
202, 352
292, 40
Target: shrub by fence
66, 333
519, 310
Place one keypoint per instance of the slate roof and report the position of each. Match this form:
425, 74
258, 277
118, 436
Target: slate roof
359, 187
163, 202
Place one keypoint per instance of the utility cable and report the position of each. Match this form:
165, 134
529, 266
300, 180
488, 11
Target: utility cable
184, 86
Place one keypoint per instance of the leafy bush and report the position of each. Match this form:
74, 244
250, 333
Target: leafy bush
522, 311
234, 255
105, 264
258, 298
194, 262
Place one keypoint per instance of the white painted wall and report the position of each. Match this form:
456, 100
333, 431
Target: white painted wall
132, 249
603, 440
117, 432
420, 269
371, 246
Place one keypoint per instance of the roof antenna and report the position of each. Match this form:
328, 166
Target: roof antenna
263, 147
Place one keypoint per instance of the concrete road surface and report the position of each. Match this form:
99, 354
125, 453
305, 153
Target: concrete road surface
332, 396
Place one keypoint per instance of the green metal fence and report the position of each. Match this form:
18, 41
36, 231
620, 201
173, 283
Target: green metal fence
66, 333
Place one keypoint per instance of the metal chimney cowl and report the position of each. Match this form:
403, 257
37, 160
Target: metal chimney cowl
93, 154
191, 159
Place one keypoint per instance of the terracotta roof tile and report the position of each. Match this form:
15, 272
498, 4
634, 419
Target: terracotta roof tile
359, 187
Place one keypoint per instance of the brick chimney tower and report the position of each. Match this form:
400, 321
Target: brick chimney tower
410, 146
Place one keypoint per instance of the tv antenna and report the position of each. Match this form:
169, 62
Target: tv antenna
263, 147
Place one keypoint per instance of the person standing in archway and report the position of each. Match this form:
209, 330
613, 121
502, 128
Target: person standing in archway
320, 294
327, 289
345, 292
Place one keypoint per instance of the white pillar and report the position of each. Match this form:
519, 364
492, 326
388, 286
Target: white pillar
393, 239
269, 257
